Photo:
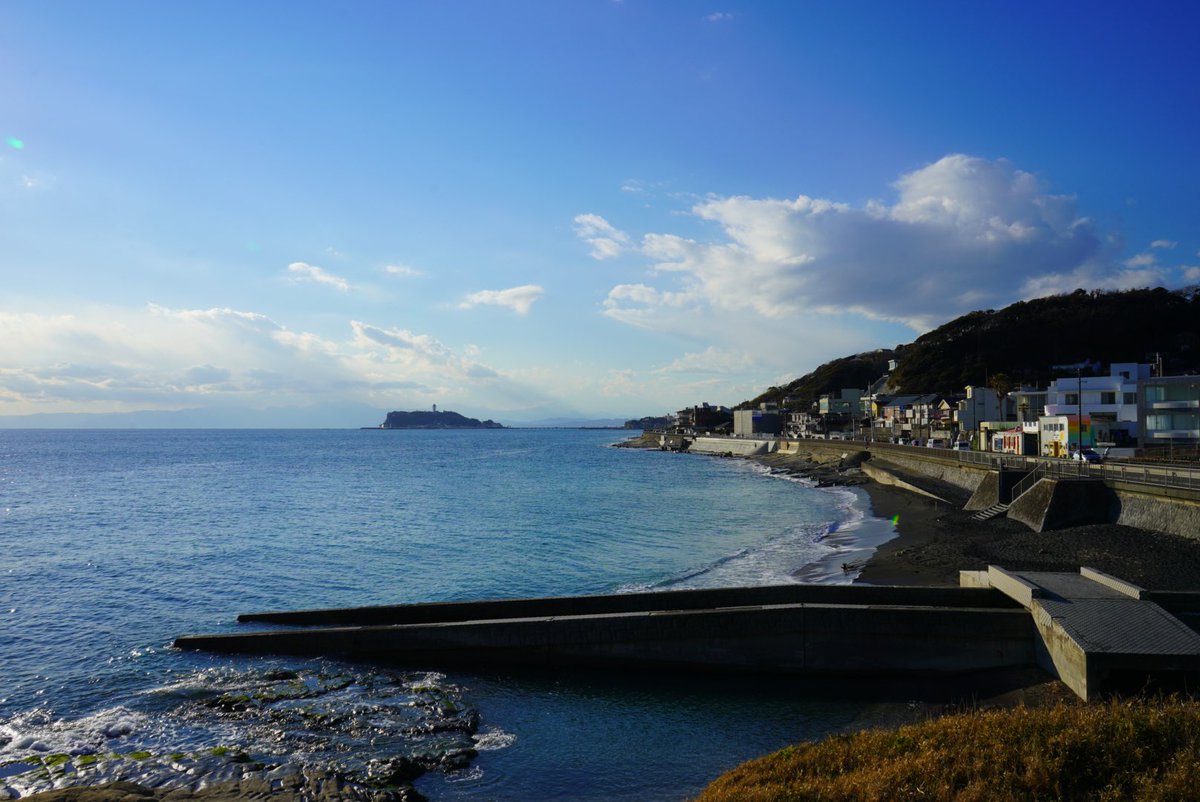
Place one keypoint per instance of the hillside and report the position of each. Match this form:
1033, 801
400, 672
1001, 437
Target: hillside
858, 370
1023, 343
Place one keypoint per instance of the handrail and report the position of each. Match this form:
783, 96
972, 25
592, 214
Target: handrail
1028, 482
1166, 476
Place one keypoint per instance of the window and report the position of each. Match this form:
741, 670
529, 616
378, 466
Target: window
1108, 398
1071, 398
1130, 398
1159, 422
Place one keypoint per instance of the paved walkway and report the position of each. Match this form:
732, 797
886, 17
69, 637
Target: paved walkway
1098, 631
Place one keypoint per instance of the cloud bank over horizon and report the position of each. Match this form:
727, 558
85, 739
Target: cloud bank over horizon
779, 287
159, 358
964, 233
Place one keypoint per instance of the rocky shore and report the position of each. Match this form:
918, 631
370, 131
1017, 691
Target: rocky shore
322, 787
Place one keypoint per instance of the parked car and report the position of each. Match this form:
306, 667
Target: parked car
936, 442
1086, 454
962, 445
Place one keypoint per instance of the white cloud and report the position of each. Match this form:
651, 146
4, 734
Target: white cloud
305, 272
1164, 243
399, 338
404, 271
606, 241
1141, 260
1093, 279
720, 16
712, 360
963, 233
118, 359
519, 299
1191, 274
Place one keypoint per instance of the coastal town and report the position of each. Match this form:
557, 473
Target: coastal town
1092, 412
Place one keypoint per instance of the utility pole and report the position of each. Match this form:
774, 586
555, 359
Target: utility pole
1079, 398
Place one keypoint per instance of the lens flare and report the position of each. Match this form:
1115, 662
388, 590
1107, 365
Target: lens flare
896, 520
15, 143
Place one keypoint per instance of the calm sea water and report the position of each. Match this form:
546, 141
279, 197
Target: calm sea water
115, 542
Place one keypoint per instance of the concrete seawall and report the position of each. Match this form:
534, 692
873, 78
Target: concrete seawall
964, 475
1094, 631
784, 629
711, 598
880, 475
736, 446
1174, 510
1178, 514
783, 639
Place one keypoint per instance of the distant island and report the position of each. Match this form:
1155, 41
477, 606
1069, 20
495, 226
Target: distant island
434, 420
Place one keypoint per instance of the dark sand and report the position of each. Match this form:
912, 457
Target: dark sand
935, 541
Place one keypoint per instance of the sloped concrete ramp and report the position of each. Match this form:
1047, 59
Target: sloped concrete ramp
1098, 632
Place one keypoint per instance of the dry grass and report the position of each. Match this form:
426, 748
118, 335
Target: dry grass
1145, 750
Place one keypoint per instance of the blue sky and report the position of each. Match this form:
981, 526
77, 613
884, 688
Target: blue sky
529, 209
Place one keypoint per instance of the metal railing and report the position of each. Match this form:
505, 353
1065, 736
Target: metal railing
1031, 479
1149, 475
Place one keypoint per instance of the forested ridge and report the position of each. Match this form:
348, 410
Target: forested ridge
1023, 343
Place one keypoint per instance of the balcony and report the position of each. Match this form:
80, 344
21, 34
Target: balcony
1174, 434
1181, 404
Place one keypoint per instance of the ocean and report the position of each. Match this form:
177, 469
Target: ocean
116, 542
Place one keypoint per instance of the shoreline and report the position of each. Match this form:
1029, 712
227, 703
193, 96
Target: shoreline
935, 539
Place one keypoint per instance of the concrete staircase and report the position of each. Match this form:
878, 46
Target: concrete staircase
994, 511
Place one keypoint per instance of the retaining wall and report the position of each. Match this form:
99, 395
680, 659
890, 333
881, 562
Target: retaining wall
884, 477
962, 475
1060, 503
1179, 516
737, 446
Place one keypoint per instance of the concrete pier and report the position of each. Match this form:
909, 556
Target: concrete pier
1095, 632
1099, 633
784, 629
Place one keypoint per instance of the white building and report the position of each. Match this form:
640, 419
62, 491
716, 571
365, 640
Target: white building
1059, 435
1109, 402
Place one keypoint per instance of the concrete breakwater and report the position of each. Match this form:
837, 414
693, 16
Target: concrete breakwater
1093, 631
802, 629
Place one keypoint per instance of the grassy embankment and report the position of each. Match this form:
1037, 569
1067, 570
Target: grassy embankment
1145, 750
